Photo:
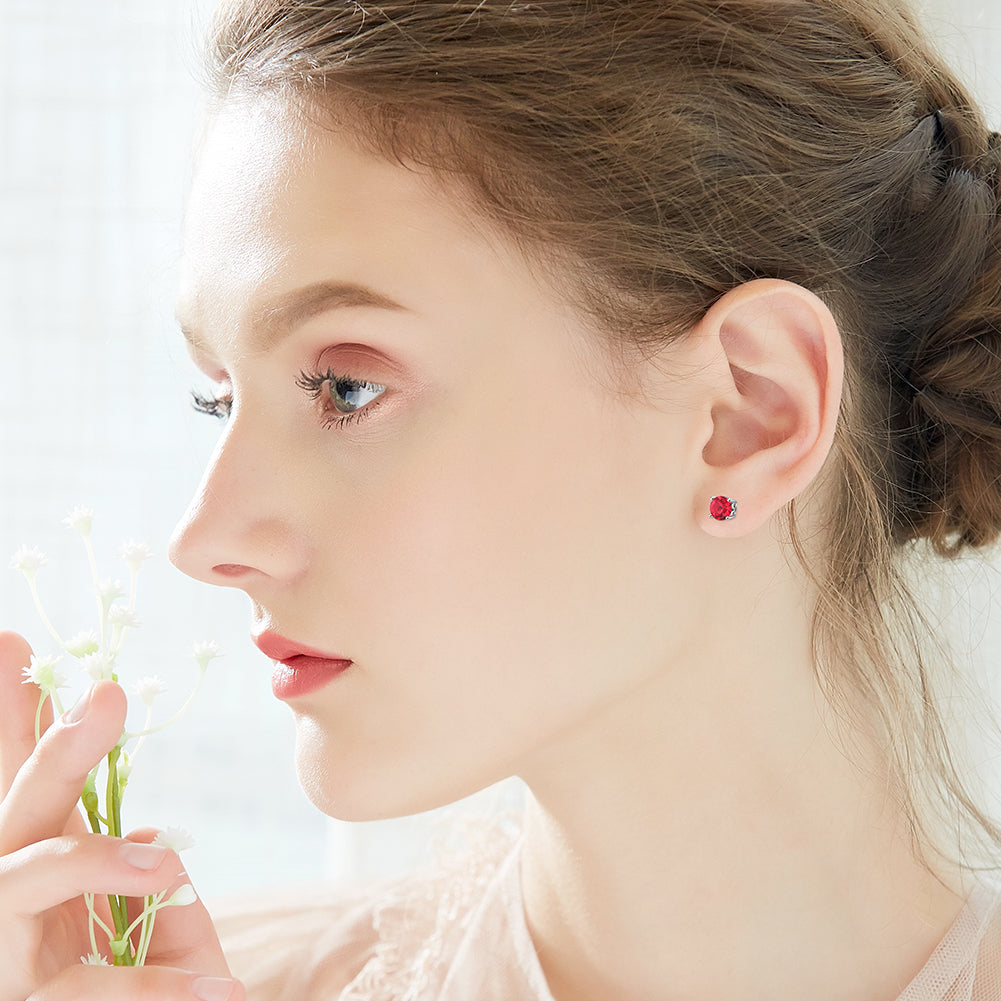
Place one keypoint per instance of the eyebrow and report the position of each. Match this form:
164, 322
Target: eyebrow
275, 320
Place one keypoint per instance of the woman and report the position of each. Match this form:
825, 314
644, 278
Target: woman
592, 375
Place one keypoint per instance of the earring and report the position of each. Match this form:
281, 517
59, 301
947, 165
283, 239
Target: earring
723, 508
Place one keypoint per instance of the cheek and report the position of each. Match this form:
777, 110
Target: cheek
514, 544
496, 613
502, 583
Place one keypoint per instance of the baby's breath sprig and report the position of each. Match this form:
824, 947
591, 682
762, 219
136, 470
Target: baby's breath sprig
96, 653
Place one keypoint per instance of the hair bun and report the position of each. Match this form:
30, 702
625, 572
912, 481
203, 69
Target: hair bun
953, 495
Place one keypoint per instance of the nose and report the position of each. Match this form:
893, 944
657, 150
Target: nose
240, 528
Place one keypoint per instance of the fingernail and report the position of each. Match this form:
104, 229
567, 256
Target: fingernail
141, 856
78, 710
212, 988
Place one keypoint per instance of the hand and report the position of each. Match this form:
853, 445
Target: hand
48, 859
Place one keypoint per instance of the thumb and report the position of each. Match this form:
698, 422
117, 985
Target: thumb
184, 936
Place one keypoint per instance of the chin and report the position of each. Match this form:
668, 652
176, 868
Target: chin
352, 787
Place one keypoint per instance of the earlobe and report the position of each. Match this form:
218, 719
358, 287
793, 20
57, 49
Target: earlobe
775, 404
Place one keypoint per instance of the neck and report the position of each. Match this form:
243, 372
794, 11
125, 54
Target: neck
688, 845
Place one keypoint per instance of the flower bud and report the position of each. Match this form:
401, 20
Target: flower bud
149, 688
80, 519
124, 768
28, 561
177, 839
134, 554
42, 672
123, 618
89, 795
182, 896
118, 946
83, 644
204, 652
99, 666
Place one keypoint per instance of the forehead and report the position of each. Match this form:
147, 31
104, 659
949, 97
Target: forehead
287, 215
248, 152
279, 202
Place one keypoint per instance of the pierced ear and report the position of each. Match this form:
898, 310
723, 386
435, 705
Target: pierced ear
775, 405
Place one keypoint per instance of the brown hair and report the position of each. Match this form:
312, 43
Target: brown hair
668, 151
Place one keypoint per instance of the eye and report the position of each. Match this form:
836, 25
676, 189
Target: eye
345, 399
214, 406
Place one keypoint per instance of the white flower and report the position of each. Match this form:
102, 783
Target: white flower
124, 618
83, 644
99, 666
93, 960
134, 553
28, 561
176, 839
124, 767
204, 652
80, 519
42, 672
182, 896
108, 590
149, 688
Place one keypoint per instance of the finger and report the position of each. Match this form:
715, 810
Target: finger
20, 703
151, 983
45, 791
184, 936
49, 873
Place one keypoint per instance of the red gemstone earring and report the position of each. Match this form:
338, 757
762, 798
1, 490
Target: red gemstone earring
723, 508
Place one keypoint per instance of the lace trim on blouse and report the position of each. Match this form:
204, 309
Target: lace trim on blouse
436, 909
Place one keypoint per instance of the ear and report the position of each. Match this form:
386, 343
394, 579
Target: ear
775, 402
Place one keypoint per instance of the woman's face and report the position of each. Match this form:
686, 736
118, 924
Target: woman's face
495, 539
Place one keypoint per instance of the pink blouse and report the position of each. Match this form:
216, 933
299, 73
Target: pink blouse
458, 933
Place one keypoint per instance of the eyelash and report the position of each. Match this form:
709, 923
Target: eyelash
214, 406
313, 384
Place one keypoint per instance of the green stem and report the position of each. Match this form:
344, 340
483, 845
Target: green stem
118, 905
95, 577
153, 904
173, 719
57, 707
114, 805
145, 922
38, 717
118, 640
96, 919
89, 546
146, 938
145, 732
41, 614
91, 923
118, 637
120, 922
57, 703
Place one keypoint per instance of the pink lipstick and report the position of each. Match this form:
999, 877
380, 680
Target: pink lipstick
298, 669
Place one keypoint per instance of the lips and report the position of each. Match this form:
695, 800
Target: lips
278, 648
299, 669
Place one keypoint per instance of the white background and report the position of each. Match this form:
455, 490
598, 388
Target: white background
98, 106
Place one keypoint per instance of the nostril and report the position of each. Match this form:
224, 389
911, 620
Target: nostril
230, 569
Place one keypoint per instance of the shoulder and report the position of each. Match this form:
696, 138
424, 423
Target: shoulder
368, 944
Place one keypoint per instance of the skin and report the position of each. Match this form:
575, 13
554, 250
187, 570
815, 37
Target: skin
517, 557
48, 858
